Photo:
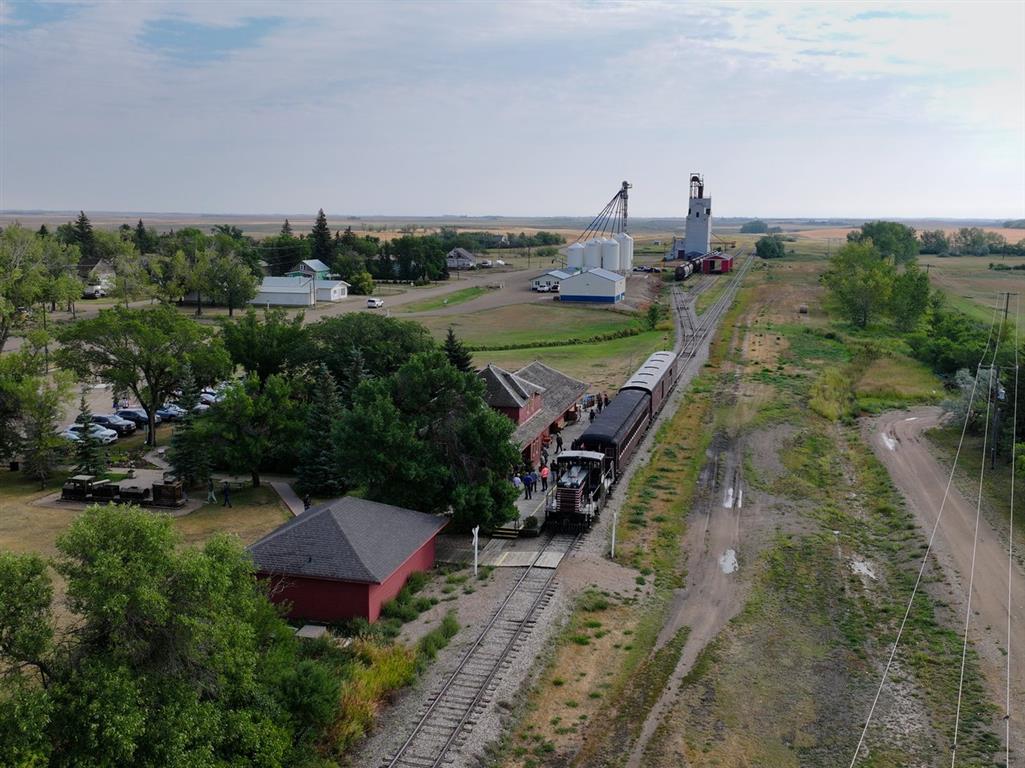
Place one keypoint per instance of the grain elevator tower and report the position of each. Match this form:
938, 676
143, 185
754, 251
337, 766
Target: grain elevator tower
698, 237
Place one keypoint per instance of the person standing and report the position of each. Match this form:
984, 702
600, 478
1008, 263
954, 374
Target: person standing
558, 444
544, 478
226, 492
211, 497
605, 397
590, 415
307, 502
517, 483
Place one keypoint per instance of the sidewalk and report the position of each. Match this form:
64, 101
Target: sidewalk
290, 497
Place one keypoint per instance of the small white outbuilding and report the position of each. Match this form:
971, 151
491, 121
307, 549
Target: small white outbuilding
597, 285
552, 278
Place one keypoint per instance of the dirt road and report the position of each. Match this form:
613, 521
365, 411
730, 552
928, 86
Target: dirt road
897, 440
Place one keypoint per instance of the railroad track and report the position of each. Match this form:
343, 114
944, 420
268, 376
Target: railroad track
453, 709
694, 337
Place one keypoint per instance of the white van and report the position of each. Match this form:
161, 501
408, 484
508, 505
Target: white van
375, 303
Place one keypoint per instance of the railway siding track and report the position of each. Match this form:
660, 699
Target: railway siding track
452, 710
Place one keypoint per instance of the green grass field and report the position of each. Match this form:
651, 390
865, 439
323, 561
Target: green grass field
450, 299
604, 365
529, 324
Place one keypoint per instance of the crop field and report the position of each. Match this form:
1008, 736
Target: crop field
971, 286
518, 324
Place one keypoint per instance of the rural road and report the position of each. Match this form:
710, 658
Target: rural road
897, 440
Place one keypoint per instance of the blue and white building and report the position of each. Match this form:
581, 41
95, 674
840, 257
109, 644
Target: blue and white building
594, 285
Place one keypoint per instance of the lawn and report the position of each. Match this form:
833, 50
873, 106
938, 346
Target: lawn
254, 513
604, 365
447, 300
896, 381
529, 324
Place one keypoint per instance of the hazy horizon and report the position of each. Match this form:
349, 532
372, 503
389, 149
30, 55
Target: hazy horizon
531, 109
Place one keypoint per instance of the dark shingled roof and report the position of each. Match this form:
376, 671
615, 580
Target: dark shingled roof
347, 539
507, 390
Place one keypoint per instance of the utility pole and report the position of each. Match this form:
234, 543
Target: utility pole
994, 391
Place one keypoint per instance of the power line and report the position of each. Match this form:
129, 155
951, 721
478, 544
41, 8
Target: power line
1010, 539
975, 543
928, 550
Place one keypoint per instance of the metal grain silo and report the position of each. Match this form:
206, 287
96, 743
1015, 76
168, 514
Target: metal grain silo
626, 251
610, 254
592, 254
575, 256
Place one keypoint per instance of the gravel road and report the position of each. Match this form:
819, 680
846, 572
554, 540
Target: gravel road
896, 438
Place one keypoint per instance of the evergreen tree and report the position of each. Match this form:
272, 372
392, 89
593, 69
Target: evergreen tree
353, 374
317, 470
85, 239
321, 246
43, 231
457, 353
286, 229
189, 452
89, 457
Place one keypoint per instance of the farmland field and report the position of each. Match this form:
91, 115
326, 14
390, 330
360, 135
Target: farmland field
971, 286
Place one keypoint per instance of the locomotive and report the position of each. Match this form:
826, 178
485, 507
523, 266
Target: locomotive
586, 474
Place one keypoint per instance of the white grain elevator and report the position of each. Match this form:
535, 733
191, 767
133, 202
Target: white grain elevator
698, 237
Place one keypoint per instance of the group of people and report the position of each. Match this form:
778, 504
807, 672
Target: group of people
601, 403
529, 480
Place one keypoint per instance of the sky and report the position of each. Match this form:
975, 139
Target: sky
514, 108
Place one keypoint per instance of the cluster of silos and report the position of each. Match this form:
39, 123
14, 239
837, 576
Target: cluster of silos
615, 253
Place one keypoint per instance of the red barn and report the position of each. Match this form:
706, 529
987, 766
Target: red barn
345, 558
717, 264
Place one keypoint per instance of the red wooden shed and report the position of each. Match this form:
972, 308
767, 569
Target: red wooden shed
345, 558
717, 264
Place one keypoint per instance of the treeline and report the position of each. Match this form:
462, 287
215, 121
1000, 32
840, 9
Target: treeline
757, 227
479, 241
969, 241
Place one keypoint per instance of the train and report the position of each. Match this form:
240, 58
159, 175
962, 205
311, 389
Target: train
683, 271
598, 458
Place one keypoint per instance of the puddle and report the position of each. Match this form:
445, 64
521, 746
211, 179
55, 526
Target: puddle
727, 501
728, 561
862, 568
890, 442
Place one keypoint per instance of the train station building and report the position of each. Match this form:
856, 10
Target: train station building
539, 400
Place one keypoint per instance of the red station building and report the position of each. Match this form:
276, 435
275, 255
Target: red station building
537, 398
345, 558
717, 264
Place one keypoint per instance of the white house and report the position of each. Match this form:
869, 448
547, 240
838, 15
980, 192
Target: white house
460, 258
597, 285
551, 278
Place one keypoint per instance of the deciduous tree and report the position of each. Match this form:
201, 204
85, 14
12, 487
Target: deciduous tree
231, 281
860, 281
144, 351
265, 346
892, 240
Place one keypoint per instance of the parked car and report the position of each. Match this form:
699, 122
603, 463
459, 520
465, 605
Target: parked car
170, 412
93, 292
484, 263
499, 263
112, 421
100, 433
201, 408
375, 303
542, 288
136, 415
555, 287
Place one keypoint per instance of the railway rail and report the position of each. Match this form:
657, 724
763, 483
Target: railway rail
454, 708
451, 711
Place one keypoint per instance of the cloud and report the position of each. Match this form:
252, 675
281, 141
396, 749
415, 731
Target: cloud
415, 107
